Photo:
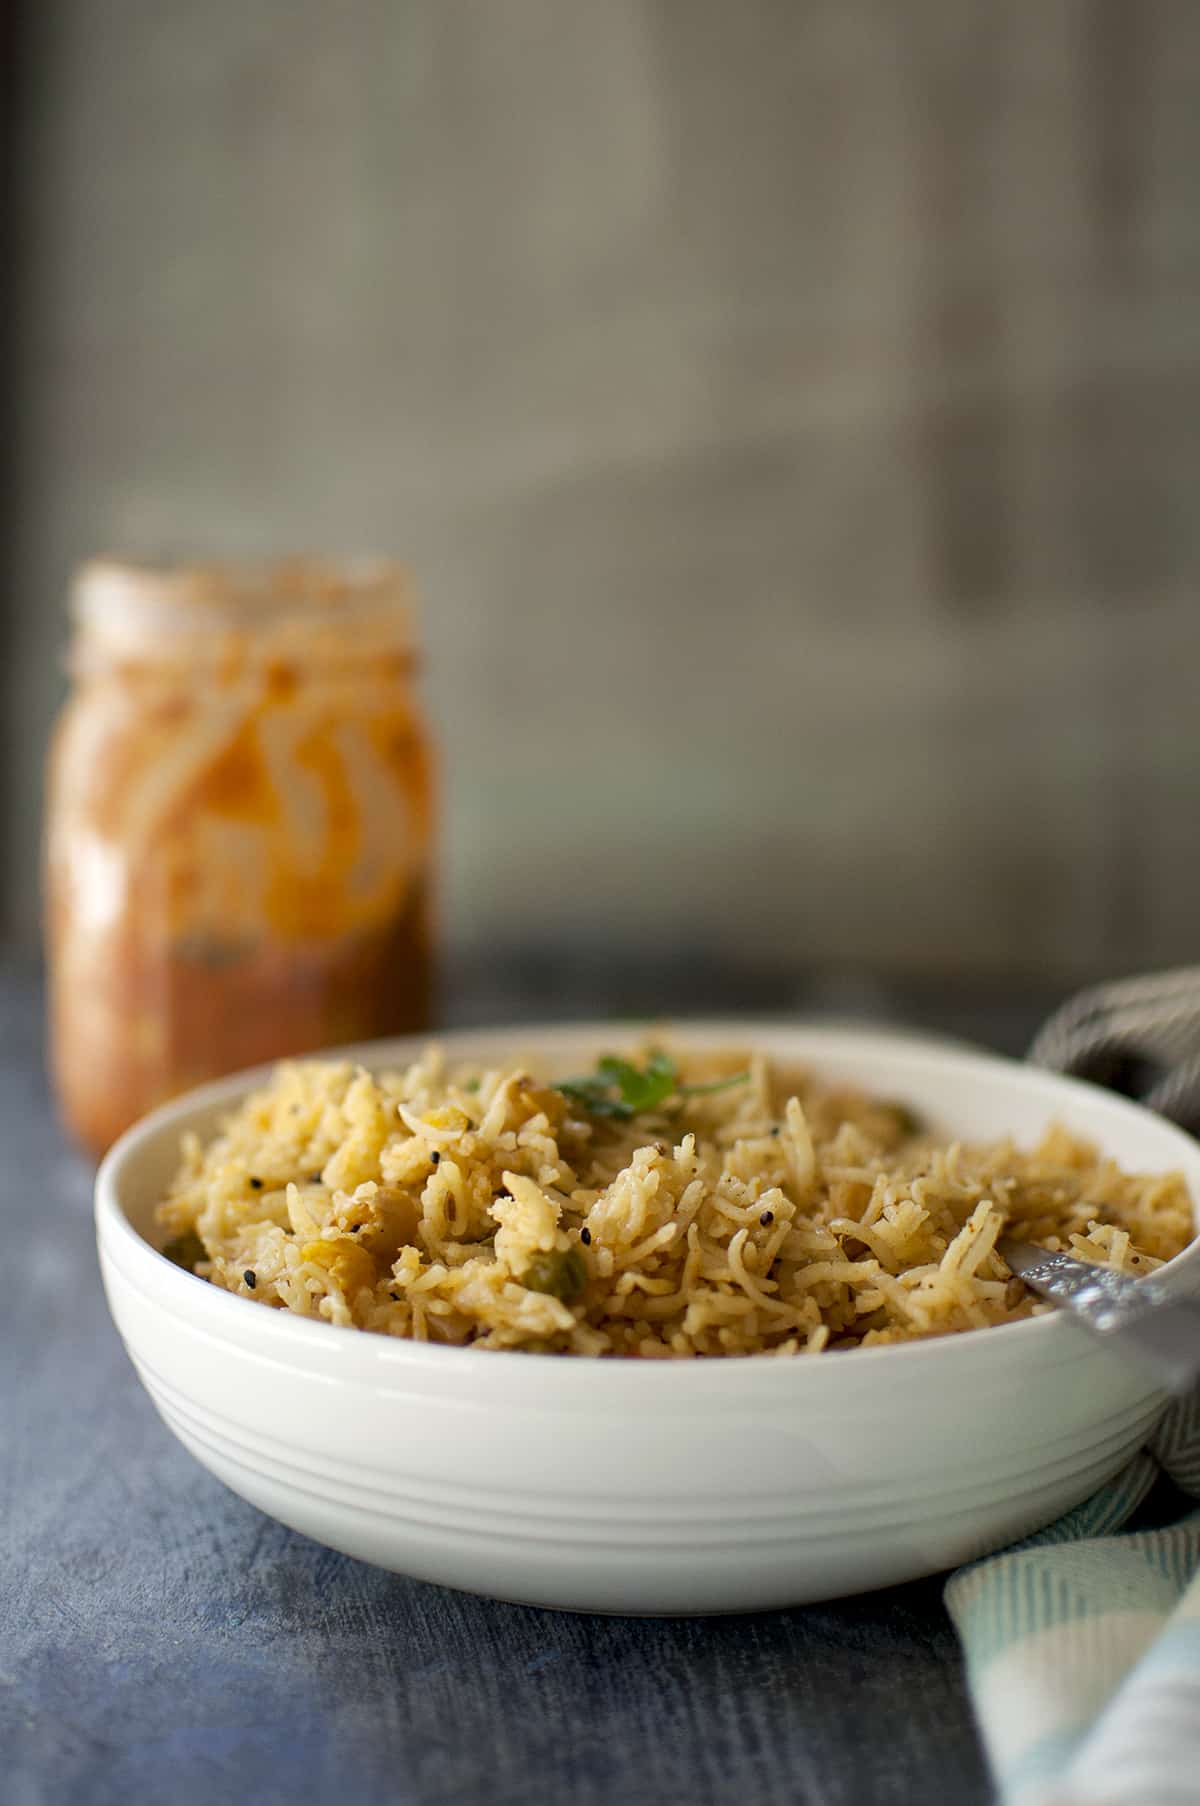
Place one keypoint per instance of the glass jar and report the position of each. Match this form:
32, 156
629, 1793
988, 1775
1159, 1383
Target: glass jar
239, 829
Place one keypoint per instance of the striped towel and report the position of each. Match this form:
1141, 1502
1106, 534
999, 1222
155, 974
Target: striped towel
1083, 1642
1083, 1647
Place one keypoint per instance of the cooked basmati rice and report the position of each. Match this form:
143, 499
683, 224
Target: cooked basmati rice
774, 1214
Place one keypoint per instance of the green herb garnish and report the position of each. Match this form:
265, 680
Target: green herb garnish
737, 1078
561, 1275
620, 1089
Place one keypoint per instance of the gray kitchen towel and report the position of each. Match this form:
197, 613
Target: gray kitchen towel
1139, 1036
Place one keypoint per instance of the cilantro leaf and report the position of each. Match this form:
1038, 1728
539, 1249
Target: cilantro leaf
735, 1078
620, 1090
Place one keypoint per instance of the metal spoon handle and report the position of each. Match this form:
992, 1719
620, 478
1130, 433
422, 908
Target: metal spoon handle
1144, 1318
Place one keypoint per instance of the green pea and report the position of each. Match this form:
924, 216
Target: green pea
560, 1275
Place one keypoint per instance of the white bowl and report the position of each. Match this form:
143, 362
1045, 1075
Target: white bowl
639, 1486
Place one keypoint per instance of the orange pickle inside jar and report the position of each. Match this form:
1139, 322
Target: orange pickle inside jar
239, 830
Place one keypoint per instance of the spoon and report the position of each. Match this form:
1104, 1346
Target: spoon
1144, 1318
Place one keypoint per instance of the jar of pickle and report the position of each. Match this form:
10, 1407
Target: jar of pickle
239, 828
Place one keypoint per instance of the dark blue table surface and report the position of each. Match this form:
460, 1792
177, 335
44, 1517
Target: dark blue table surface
162, 1641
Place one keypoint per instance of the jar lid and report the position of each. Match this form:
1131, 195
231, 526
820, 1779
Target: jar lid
129, 611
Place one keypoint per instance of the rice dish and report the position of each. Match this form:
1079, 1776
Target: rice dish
664, 1205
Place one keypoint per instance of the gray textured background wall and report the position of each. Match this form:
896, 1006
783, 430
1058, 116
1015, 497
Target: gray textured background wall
790, 410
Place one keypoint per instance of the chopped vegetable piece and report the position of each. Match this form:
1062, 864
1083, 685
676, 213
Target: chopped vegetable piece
185, 1250
561, 1275
347, 1263
907, 1122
